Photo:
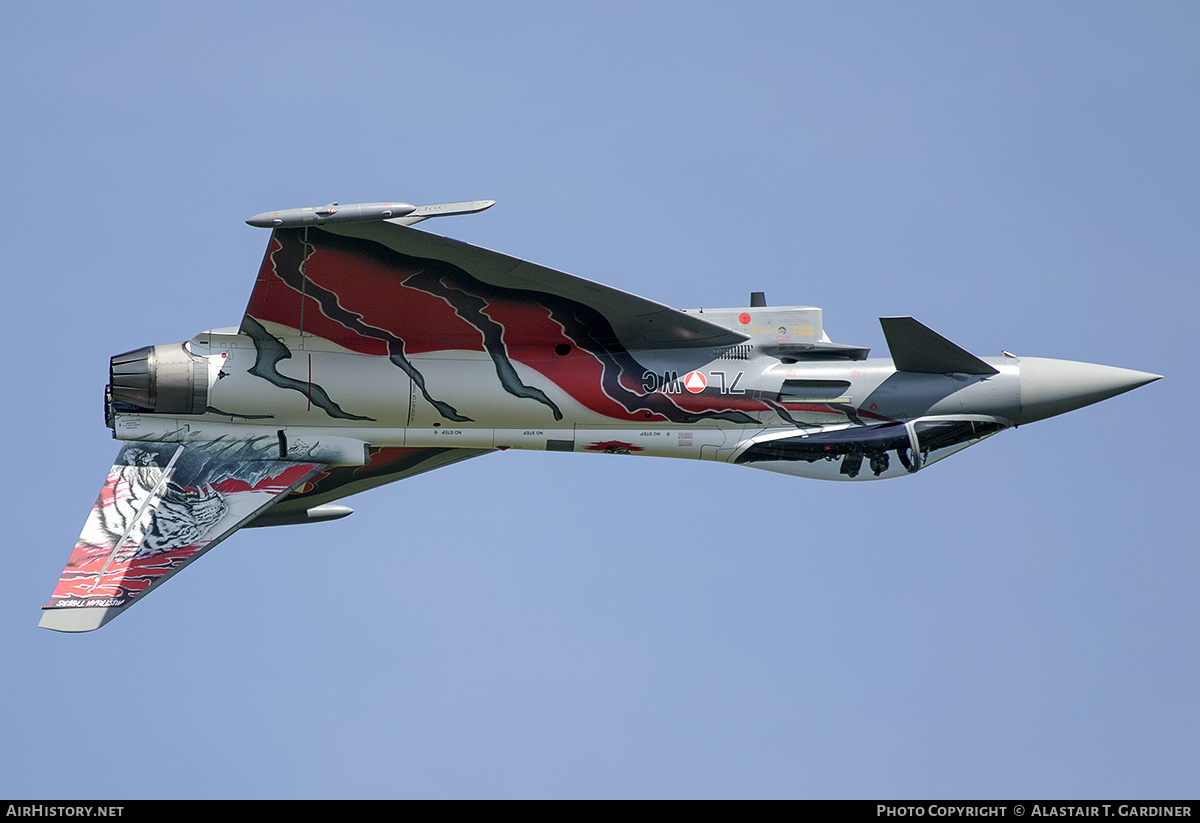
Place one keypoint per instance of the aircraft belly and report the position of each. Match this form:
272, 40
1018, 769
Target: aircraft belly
696, 443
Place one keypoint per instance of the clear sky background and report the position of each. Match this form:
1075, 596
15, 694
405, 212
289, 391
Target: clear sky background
1018, 621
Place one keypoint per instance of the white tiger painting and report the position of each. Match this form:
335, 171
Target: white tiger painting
146, 516
162, 505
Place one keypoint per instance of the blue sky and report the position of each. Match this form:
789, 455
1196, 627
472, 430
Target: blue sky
1019, 621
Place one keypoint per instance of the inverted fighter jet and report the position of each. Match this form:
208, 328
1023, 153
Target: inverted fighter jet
372, 351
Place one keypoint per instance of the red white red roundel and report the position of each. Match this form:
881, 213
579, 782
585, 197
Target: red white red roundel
695, 382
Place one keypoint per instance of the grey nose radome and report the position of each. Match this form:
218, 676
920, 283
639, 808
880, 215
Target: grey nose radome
1050, 387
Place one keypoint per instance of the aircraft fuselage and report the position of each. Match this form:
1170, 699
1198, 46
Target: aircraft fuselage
823, 416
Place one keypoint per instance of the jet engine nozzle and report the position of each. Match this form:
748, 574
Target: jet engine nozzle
1053, 387
163, 379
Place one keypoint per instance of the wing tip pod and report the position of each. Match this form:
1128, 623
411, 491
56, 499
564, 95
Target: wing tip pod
403, 213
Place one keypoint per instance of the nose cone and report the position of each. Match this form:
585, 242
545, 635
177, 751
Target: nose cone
1050, 387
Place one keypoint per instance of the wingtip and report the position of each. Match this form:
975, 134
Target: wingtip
73, 621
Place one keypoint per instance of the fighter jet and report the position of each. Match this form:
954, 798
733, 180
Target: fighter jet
372, 351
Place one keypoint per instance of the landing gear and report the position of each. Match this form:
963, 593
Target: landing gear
851, 465
879, 463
